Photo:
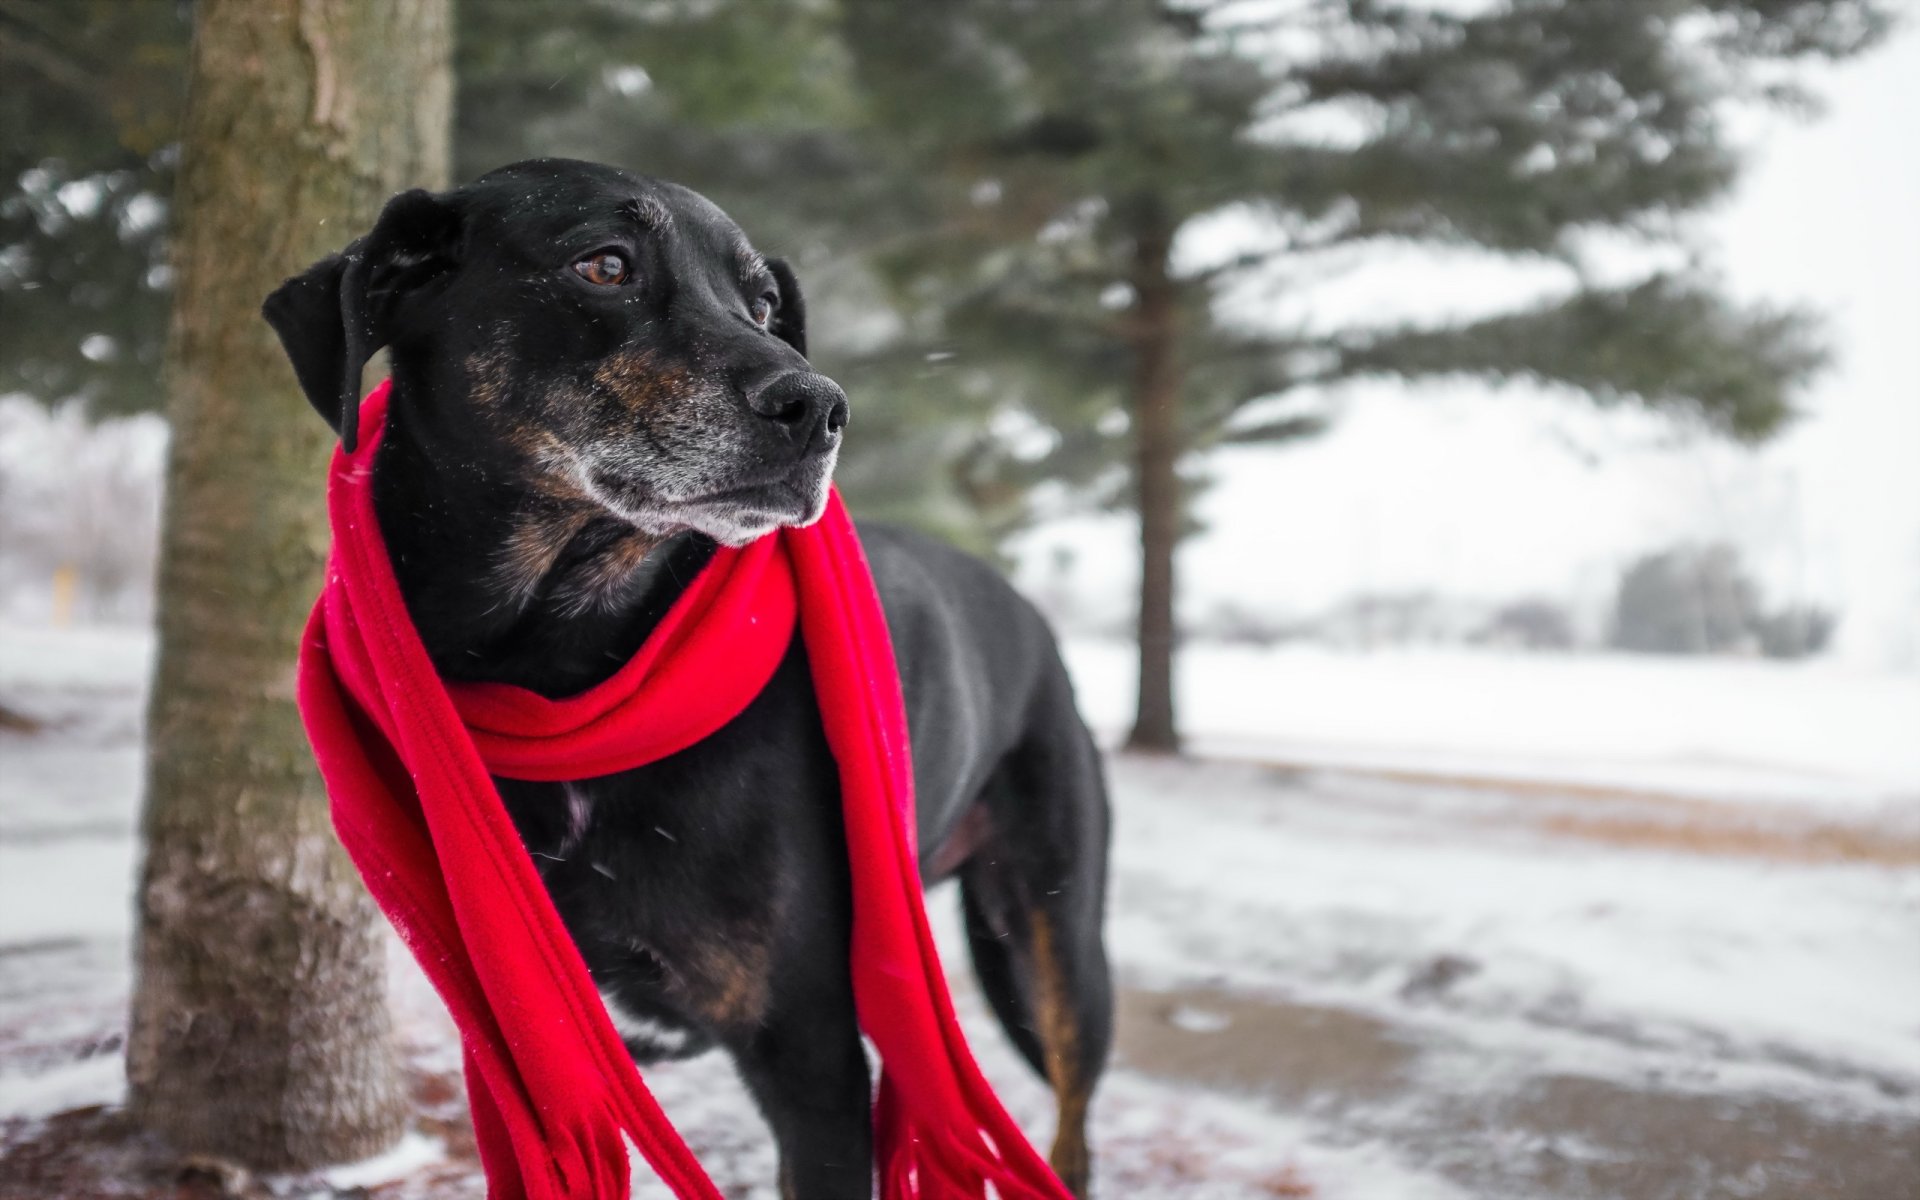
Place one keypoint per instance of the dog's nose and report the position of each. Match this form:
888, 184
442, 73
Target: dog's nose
811, 406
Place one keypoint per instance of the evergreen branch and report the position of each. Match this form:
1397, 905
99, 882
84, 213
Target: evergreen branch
1667, 344
1279, 429
31, 48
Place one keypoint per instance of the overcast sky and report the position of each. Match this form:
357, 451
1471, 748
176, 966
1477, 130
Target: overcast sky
1491, 493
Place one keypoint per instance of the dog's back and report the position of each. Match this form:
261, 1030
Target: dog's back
975, 659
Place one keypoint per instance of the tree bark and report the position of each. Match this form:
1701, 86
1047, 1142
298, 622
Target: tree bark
259, 1030
1155, 333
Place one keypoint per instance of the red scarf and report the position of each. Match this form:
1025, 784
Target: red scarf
408, 759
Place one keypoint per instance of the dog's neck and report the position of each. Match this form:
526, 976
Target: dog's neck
510, 585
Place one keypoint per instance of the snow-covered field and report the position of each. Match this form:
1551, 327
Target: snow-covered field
1431, 925
1812, 732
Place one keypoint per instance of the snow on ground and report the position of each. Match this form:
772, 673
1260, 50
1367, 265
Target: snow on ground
413, 1153
1813, 731
1377, 956
57, 662
1534, 953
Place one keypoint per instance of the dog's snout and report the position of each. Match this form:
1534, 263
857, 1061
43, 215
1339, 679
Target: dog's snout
811, 406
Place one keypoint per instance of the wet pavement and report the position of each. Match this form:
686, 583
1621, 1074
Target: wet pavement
1549, 1136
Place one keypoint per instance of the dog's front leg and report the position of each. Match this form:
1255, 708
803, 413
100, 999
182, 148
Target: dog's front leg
806, 1068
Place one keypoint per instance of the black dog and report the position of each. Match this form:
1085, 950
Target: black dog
595, 380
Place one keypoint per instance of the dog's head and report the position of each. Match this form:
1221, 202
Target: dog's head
615, 337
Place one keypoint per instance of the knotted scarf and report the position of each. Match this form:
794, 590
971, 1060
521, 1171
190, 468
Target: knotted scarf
408, 762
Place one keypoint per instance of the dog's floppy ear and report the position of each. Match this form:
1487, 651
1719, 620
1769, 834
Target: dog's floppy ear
334, 316
790, 323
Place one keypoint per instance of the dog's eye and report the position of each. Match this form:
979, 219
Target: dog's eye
762, 308
603, 267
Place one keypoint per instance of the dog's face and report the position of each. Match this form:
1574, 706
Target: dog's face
615, 339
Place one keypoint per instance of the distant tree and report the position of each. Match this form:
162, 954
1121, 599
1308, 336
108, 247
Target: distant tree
1686, 600
1066, 149
1700, 600
1800, 631
259, 1030
1237, 624
1390, 618
1531, 624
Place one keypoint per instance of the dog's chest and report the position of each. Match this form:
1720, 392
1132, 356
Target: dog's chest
686, 882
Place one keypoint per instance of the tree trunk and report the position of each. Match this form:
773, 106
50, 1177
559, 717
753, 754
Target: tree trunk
1156, 408
259, 1028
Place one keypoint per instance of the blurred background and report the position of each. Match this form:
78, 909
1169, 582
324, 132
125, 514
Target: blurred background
1467, 447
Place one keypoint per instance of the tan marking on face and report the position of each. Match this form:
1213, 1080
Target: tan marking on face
560, 505
640, 383
598, 583
487, 375
551, 470
1059, 1029
535, 542
624, 558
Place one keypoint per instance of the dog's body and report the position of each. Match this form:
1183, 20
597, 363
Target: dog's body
566, 444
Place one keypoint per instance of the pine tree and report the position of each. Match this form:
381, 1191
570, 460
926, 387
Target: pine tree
1067, 148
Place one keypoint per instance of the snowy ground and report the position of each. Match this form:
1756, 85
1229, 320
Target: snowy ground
1435, 926
1746, 731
